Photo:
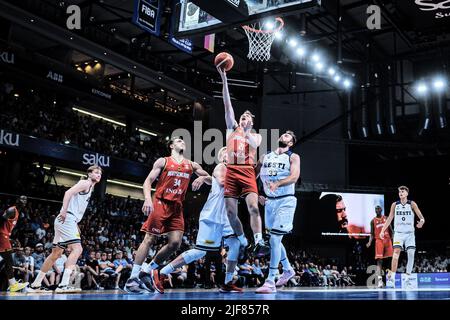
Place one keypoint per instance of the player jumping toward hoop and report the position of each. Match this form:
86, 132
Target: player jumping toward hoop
402, 212
383, 247
240, 179
279, 172
67, 233
213, 226
165, 213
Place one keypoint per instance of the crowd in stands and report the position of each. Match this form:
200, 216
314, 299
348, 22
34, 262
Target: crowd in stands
39, 114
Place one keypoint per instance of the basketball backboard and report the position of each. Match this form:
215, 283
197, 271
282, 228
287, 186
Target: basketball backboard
193, 20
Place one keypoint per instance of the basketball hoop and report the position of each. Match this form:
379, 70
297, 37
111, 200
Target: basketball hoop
260, 39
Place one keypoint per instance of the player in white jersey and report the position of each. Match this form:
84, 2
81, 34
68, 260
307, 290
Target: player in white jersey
67, 233
402, 212
279, 171
213, 228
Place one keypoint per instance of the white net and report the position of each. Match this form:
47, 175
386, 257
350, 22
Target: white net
260, 39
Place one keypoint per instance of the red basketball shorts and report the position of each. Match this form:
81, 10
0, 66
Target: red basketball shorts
167, 216
240, 180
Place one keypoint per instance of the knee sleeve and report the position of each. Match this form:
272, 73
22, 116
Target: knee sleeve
233, 248
193, 255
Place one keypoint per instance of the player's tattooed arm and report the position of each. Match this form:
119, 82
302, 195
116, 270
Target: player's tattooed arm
418, 213
203, 177
388, 221
293, 176
158, 166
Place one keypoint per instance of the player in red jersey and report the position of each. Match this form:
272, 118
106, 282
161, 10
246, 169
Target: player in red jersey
165, 213
8, 221
240, 179
383, 247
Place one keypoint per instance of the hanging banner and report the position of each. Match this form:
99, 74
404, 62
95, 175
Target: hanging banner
183, 44
147, 15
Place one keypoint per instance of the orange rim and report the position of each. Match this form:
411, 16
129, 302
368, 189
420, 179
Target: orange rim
281, 22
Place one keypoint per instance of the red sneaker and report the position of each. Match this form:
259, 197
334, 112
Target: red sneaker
157, 280
230, 288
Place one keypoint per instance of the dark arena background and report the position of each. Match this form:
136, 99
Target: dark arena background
364, 85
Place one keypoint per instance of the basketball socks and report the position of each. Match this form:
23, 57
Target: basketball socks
284, 259
65, 277
149, 267
38, 281
168, 269
275, 255
410, 263
135, 271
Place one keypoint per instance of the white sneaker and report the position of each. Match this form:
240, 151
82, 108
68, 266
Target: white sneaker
41, 289
267, 287
67, 289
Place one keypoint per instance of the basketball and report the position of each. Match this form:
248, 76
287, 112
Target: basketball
229, 61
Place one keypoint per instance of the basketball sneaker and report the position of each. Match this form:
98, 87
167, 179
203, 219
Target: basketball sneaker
147, 281
261, 249
135, 285
267, 287
67, 289
157, 280
41, 289
390, 281
285, 277
18, 286
230, 288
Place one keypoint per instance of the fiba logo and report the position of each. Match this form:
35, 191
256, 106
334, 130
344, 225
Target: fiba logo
235, 2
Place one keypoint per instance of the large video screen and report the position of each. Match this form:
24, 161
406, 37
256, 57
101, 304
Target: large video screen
335, 216
347, 215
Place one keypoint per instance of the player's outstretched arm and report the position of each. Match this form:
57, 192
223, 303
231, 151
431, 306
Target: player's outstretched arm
158, 166
388, 221
203, 177
293, 176
230, 118
418, 213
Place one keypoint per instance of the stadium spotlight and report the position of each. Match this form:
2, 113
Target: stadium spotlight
439, 84
279, 35
293, 42
269, 25
315, 57
337, 78
422, 88
301, 51
319, 66
331, 71
347, 83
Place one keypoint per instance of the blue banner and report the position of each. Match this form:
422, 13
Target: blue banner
79, 158
426, 280
147, 15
